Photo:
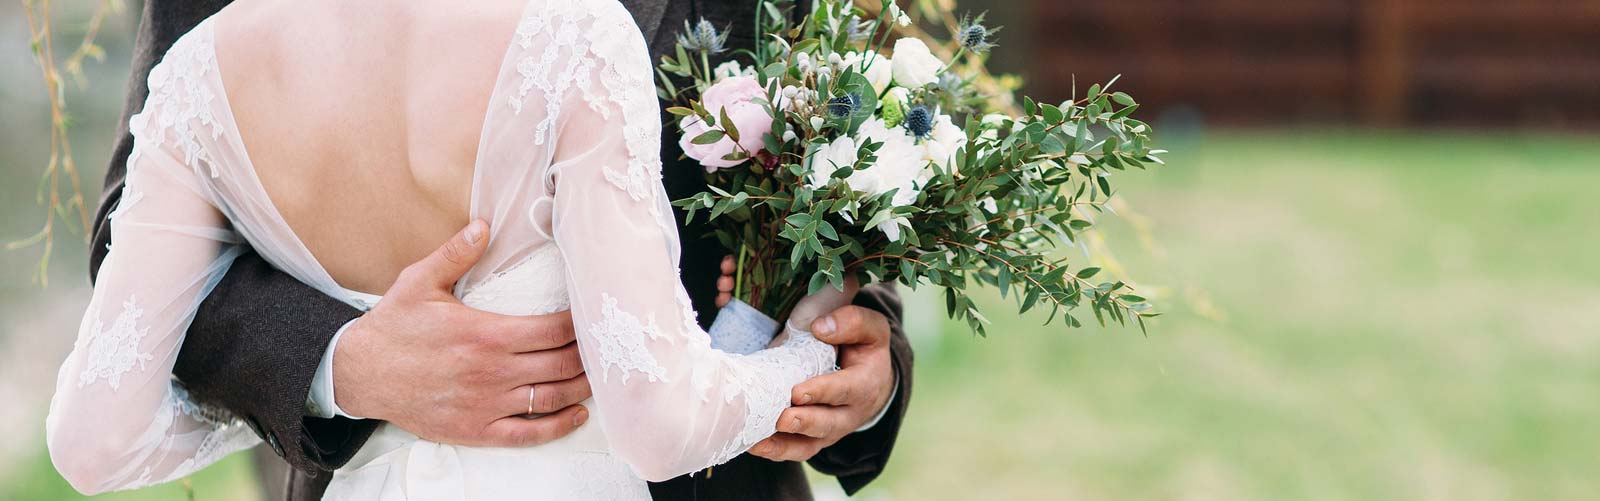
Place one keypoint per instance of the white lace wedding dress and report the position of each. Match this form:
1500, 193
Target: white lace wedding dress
567, 174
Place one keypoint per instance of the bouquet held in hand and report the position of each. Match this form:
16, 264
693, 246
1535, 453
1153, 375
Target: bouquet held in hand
835, 148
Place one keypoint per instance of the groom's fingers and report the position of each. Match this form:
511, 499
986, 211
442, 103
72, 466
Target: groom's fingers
452, 260
828, 389
816, 421
544, 398
725, 282
851, 325
537, 332
551, 365
787, 447
517, 431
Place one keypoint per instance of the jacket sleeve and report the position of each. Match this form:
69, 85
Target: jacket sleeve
254, 358
860, 457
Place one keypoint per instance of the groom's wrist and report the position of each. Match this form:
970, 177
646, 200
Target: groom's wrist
322, 401
883, 410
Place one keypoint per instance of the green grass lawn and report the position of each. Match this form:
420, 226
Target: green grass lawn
233, 479
1401, 316
1382, 315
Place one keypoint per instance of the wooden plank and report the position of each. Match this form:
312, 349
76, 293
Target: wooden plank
1244, 11
1383, 61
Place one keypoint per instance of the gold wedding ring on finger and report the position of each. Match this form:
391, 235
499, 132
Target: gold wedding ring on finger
530, 398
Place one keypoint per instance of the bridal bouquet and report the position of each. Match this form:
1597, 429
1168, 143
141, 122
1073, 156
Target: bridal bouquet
831, 150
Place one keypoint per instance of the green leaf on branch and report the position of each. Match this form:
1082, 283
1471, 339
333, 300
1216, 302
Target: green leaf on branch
1052, 114
709, 137
727, 125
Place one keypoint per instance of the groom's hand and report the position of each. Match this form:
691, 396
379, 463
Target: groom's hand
449, 373
831, 406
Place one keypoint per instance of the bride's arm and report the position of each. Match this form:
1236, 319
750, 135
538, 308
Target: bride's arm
117, 419
669, 403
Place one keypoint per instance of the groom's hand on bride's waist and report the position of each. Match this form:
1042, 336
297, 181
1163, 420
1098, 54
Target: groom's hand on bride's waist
446, 372
831, 406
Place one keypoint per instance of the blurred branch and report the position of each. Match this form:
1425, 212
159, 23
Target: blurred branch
60, 190
998, 90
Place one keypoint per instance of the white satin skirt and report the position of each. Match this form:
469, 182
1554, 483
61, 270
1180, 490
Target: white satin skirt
395, 465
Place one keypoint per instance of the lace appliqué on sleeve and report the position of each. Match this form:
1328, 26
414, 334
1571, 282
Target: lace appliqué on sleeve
227, 434
112, 353
184, 100
540, 72
641, 129
620, 337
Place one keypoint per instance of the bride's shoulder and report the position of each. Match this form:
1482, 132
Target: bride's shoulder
607, 20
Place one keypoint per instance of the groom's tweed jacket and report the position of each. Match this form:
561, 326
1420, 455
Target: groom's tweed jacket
258, 338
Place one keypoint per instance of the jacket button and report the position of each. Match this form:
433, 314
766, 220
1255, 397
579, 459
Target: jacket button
272, 440
254, 426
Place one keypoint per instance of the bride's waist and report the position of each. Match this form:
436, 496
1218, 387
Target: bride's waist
389, 440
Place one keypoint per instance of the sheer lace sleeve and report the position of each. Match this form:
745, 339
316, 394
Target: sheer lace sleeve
669, 403
118, 420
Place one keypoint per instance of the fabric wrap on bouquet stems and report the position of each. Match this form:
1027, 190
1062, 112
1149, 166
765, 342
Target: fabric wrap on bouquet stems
742, 329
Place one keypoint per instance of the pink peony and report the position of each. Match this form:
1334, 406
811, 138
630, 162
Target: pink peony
738, 97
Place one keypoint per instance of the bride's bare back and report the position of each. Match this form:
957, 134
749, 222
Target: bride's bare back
362, 119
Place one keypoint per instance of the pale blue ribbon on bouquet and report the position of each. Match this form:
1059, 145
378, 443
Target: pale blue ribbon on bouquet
741, 329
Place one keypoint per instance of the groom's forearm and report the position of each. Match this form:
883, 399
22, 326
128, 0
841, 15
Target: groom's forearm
859, 457
254, 348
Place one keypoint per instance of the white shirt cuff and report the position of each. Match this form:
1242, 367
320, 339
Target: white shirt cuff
885, 411
321, 402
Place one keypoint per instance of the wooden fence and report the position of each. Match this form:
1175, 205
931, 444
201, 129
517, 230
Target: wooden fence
1377, 62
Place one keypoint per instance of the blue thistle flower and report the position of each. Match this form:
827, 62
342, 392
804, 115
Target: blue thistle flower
703, 37
974, 36
856, 30
843, 105
919, 122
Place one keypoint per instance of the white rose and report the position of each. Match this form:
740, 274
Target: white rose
877, 68
729, 69
992, 121
914, 66
899, 164
830, 157
900, 94
942, 145
891, 227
